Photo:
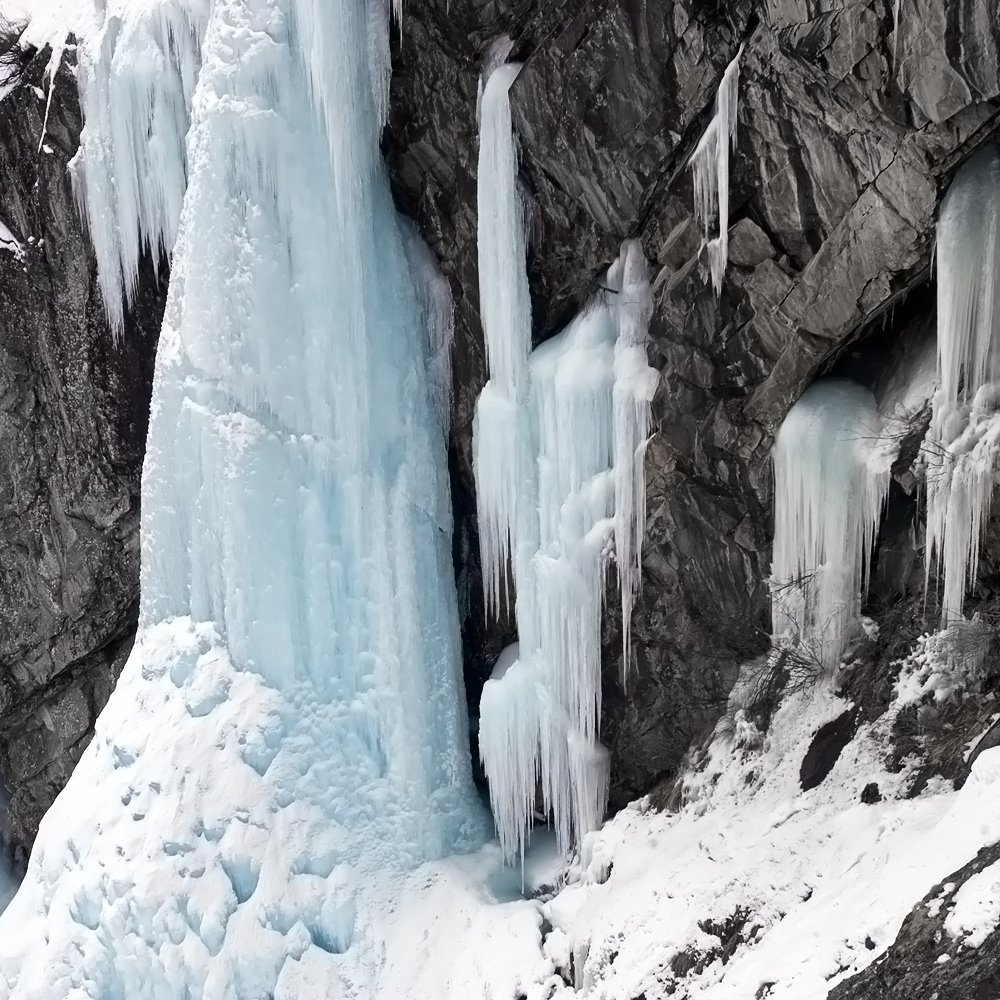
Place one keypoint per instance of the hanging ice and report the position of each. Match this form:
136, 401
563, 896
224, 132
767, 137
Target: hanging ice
505, 308
559, 443
288, 736
960, 452
710, 166
830, 482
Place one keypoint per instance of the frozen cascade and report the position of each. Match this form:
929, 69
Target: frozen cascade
961, 448
831, 478
710, 166
298, 622
559, 443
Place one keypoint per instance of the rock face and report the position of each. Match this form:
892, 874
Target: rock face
925, 960
849, 128
73, 412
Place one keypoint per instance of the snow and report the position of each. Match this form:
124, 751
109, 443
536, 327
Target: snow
831, 479
822, 880
960, 452
976, 910
10, 243
710, 166
288, 740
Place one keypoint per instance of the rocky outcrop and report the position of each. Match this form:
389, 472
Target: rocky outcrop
73, 410
849, 127
926, 960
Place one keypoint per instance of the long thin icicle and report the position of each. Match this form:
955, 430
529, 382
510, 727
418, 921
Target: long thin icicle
505, 309
830, 484
960, 452
710, 166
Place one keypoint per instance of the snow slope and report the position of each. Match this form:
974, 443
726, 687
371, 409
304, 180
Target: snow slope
814, 885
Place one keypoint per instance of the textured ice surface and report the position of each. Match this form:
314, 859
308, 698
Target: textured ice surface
960, 452
559, 444
570, 487
288, 739
830, 482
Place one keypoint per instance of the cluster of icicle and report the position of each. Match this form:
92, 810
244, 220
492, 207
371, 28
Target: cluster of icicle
559, 442
710, 166
831, 478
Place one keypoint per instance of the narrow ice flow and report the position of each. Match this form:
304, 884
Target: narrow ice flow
505, 308
960, 452
288, 738
559, 441
831, 478
710, 166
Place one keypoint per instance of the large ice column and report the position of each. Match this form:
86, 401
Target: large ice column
830, 484
559, 443
289, 734
710, 166
960, 453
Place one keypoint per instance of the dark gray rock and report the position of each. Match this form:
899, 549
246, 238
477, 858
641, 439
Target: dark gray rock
73, 411
924, 960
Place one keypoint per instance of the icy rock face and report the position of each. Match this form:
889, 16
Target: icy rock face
559, 440
73, 411
298, 618
960, 453
830, 487
831, 233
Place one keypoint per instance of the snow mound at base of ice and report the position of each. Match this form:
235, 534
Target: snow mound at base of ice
201, 848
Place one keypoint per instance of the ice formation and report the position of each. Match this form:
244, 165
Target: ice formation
710, 166
559, 442
830, 482
299, 625
962, 444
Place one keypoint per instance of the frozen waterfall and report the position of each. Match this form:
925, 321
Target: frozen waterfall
299, 622
710, 166
559, 444
831, 478
960, 452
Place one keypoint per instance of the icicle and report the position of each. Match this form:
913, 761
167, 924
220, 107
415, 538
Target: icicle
960, 452
830, 484
559, 467
505, 305
130, 172
501, 463
635, 383
710, 165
